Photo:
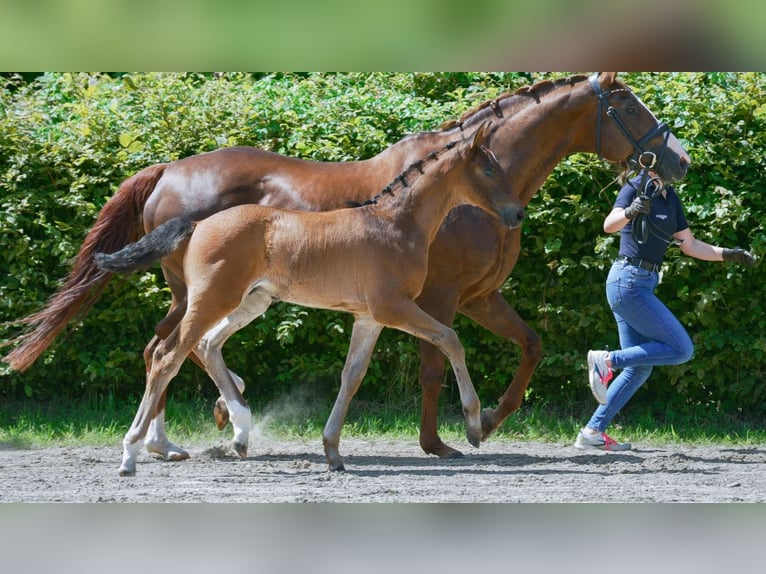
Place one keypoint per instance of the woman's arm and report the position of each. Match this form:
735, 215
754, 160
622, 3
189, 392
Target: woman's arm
700, 250
615, 221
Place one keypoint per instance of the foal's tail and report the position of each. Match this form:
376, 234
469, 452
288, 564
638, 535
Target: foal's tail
149, 249
119, 223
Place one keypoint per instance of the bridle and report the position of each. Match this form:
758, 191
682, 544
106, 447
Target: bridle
641, 157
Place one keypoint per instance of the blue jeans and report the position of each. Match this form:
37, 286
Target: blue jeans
650, 335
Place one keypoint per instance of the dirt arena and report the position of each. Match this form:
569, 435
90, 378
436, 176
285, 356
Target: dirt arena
381, 471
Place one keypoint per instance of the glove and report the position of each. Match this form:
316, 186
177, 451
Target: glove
738, 255
641, 205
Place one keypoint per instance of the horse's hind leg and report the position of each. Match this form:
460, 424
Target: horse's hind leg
167, 358
495, 314
156, 441
364, 335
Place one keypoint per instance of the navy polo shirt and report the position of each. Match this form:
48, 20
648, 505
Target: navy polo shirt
666, 218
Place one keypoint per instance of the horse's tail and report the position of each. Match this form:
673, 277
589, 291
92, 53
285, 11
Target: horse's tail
149, 249
118, 223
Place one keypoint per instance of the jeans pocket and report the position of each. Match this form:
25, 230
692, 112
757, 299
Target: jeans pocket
614, 293
641, 275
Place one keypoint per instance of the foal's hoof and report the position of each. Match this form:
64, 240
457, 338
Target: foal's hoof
240, 449
337, 467
221, 413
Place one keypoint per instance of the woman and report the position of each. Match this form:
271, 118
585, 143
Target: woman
650, 334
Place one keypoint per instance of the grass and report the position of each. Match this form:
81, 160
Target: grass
28, 424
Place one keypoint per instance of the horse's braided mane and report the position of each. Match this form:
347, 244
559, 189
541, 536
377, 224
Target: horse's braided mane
405, 179
536, 91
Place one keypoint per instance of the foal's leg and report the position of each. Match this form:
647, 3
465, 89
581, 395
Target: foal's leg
495, 314
408, 317
364, 335
216, 297
230, 385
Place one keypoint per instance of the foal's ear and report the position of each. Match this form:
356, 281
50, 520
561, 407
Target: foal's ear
481, 136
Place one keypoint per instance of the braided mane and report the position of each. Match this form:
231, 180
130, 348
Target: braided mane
407, 177
536, 91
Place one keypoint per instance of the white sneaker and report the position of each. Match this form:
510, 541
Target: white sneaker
599, 441
599, 374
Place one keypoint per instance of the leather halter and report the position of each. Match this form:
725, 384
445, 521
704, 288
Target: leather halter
641, 157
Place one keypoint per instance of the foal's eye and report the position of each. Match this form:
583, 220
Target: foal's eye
489, 171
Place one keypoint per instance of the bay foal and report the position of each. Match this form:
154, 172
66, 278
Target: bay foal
371, 261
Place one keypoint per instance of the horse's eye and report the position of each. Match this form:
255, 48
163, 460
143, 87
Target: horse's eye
489, 171
632, 109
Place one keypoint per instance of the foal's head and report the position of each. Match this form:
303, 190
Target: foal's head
483, 182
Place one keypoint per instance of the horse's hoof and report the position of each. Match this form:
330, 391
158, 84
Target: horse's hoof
452, 455
488, 424
337, 467
166, 451
474, 438
127, 472
240, 449
221, 413
442, 451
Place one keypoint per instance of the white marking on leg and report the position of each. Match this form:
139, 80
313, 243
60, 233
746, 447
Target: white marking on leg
129, 457
240, 417
237, 381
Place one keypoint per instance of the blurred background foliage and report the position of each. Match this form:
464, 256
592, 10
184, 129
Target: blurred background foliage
68, 139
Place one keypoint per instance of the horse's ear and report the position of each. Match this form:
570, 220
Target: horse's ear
606, 79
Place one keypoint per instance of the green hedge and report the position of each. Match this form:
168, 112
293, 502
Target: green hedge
67, 141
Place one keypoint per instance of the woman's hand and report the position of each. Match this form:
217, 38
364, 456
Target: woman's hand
738, 255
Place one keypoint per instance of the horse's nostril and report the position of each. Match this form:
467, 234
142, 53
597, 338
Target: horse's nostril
522, 214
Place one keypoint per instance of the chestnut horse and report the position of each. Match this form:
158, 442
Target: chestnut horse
371, 261
472, 254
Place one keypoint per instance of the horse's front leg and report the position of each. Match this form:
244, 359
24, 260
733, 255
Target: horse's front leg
440, 303
364, 335
408, 317
495, 314
431, 376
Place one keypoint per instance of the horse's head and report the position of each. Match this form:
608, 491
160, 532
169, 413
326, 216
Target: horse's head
627, 131
490, 188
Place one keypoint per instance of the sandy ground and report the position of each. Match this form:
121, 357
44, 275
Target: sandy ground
381, 471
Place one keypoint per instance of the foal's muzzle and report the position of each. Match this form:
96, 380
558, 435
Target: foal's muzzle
512, 217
